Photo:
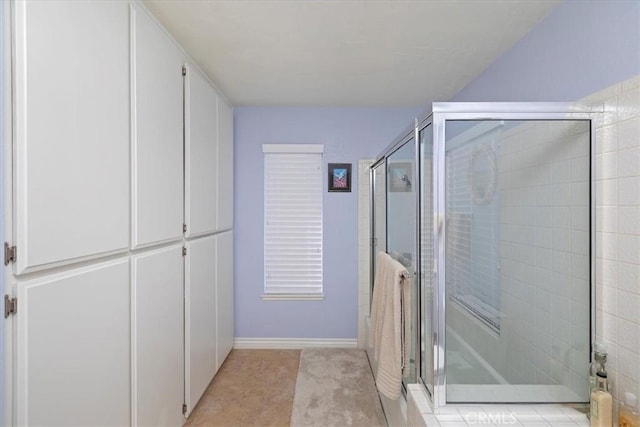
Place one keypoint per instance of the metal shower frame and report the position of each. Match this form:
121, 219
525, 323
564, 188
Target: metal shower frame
441, 113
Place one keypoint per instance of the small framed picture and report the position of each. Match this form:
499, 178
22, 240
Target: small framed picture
339, 177
400, 176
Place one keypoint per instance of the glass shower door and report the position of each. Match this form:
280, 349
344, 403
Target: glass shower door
401, 232
378, 215
517, 256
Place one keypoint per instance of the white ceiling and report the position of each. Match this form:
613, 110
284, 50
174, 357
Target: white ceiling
346, 53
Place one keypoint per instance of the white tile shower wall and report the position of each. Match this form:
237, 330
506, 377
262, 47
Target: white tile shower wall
618, 233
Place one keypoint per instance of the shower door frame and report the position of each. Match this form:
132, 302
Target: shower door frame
447, 111
408, 136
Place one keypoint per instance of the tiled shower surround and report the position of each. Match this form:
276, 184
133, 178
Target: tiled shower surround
617, 200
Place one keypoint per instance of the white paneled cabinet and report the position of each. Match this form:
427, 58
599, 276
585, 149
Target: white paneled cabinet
157, 337
73, 348
224, 296
71, 111
157, 145
225, 166
201, 151
114, 151
200, 317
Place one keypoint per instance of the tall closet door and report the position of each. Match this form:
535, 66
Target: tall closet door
157, 146
158, 337
72, 130
225, 166
73, 349
201, 139
200, 317
224, 296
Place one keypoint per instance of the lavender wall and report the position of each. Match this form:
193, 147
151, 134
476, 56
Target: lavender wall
348, 134
578, 49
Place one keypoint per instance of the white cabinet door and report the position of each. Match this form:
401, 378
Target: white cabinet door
225, 166
200, 317
71, 105
157, 146
73, 348
224, 296
201, 140
158, 337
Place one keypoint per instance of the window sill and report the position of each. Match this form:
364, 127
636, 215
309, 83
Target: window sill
292, 297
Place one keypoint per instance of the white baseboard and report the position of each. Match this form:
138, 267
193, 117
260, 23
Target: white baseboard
294, 343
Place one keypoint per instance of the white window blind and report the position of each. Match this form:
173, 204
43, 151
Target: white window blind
293, 219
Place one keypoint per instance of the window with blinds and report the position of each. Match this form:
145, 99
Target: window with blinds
293, 219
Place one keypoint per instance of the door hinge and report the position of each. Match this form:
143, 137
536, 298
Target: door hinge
184, 251
374, 241
9, 254
184, 71
184, 408
10, 306
184, 228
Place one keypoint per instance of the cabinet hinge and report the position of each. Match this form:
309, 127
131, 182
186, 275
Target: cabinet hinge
184, 408
10, 306
184, 228
184, 71
374, 241
184, 251
9, 254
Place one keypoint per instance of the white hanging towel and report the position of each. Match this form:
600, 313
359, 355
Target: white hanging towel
390, 324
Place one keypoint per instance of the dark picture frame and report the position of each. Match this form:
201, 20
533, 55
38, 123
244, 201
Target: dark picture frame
339, 177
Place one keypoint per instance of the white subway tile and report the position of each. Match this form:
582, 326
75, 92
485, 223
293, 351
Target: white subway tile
629, 133
606, 272
629, 162
609, 303
629, 335
629, 248
629, 219
610, 327
607, 219
607, 245
629, 277
628, 362
628, 307
606, 139
606, 165
629, 191
607, 192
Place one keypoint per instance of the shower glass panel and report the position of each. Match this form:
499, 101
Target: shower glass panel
426, 257
378, 214
517, 260
401, 230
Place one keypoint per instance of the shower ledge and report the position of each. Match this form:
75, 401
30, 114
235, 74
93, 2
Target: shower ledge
420, 413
